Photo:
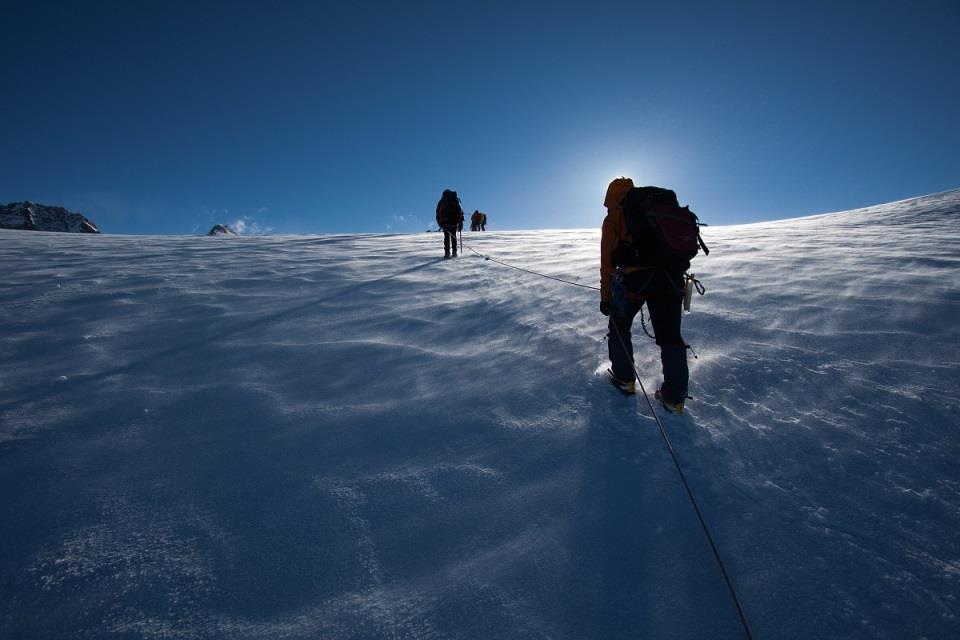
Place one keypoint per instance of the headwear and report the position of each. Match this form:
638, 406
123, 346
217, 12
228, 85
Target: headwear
616, 191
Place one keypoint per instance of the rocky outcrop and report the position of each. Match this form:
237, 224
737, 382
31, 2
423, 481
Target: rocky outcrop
39, 217
221, 230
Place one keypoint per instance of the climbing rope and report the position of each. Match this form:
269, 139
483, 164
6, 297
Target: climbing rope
542, 275
663, 434
686, 486
643, 323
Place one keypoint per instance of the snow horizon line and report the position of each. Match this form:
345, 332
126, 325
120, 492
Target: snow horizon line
267, 231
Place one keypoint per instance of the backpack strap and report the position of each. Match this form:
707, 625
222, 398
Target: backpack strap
702, 244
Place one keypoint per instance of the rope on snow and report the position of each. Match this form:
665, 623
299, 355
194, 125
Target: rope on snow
663, 434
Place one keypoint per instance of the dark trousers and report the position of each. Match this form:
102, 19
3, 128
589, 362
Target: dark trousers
665, 310
449, 237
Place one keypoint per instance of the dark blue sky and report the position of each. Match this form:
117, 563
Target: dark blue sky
308, 118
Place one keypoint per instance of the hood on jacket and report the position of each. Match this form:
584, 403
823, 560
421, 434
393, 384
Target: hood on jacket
616, 191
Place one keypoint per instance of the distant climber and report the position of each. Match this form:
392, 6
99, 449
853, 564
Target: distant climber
478, 221
645, 248
450, 220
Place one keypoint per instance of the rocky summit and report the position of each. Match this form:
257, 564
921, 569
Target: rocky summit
39, 217
221, 230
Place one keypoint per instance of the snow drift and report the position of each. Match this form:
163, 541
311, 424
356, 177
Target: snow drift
348, 437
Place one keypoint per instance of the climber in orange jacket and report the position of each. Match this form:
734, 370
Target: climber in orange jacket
625, 285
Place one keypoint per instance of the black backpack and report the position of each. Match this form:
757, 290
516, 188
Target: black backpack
449, 211
665, 235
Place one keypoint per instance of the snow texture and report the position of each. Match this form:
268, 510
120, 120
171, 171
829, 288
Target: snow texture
348, 437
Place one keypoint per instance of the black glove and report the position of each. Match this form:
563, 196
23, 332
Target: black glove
605, 308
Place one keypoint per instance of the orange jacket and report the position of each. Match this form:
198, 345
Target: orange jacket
613, 231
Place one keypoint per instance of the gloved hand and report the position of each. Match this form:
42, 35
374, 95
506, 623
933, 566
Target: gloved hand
604, 308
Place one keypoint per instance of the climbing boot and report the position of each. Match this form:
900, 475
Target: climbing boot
626, 387
672, 407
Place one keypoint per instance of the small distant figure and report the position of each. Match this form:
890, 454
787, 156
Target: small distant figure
646, 246
450, 220
478, 221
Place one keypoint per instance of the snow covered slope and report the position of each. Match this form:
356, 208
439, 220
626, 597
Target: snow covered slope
349, 437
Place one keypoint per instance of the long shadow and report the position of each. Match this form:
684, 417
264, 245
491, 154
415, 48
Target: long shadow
81, 380
608, 578
639, 564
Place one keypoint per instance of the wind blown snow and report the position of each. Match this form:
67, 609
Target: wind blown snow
349, 437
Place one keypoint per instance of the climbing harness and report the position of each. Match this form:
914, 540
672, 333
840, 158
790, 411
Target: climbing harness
618, 298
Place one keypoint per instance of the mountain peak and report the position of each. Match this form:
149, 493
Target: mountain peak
222, 230
30, 216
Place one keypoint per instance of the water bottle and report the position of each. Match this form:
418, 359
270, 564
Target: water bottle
688, 293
